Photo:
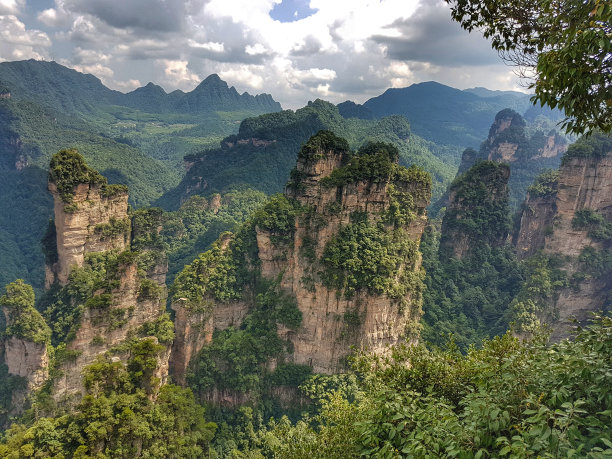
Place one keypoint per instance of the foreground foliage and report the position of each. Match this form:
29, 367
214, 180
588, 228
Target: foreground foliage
508, 399
118, 417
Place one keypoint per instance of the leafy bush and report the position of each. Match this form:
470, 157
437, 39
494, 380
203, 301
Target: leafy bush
377, 162
23, 320
68, 169
321, 143
545, 184
367, 256
117, 418
162, 328
586, 218
235, 360
596, 146
277, 216
507, 399
480, 205
214, 273
113, 228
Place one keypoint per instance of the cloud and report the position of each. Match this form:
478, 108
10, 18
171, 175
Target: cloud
11, 6
177, 72
18, 43
341, 49
54, 17
430, 36
153, 15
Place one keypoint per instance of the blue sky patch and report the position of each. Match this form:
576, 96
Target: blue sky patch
292, 10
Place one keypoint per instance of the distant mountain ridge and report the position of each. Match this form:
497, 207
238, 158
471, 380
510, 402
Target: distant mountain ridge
447, 115
71, 91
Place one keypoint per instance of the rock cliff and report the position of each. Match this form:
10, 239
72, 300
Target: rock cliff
89, 217
107, 273
340, 246
26, 335
569, 217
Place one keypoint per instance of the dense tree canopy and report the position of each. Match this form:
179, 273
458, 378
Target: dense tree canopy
564, 45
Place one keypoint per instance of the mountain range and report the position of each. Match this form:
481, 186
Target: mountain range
140, 139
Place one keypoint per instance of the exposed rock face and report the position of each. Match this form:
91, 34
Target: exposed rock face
103, 329
325, 336
332, 320
195, 326
554, 147
584, 183
92, 223
27, 359
508, 142
537, 220
551, 223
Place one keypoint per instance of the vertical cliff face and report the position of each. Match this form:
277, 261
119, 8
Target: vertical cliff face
27, 359
538, 215
335, 314
117, 317
26, 335
110, 275
23, 347
341, 246
570, 219
477, 212
95, 220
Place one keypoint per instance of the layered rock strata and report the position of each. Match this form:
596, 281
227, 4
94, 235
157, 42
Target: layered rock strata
574, 224
92, 222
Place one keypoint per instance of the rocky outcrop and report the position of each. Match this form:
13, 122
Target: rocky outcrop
106, 328
92, 222
537, 219
23, 346
27, 359
573, 224
528, 155
333, 323
332, 194
194, 327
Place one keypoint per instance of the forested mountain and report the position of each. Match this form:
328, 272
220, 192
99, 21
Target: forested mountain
263, 152
449, 116
295, 286
69, 91
277, 317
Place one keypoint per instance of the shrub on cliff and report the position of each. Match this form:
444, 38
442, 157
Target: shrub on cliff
68, 169
24, 321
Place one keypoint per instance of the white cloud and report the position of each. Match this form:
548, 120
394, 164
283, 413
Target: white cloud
209, 46
177, 74
54, 17
11, 6
128, 85
346, 49
247, 75
256, 49
17, 42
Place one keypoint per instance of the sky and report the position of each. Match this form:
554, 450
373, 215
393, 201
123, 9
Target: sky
296, 50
